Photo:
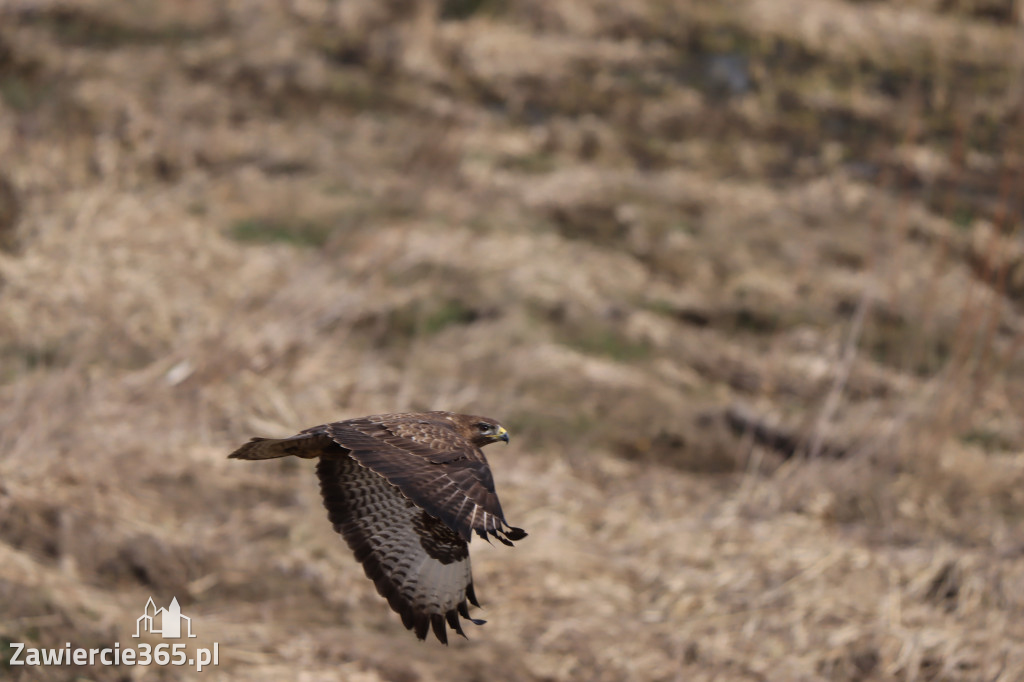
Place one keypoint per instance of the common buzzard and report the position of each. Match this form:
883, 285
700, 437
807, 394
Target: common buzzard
407, 492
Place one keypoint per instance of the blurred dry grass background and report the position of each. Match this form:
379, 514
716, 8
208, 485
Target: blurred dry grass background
744, 279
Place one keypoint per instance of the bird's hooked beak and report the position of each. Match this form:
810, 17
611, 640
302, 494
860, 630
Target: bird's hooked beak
502, 434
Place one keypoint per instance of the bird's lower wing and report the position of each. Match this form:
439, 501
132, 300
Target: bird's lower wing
417, 563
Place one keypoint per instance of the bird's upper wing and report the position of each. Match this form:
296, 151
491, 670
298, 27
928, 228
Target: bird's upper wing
435, 467
417, 563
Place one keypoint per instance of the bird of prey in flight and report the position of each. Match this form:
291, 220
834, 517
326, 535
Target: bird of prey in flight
407, 491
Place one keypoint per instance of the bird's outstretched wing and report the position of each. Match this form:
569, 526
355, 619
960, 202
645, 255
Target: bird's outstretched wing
417, 562
443, 473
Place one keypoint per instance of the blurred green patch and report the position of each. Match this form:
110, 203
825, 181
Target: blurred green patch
755, 320
550, 427
536, 164
75, 27
449, 313
661, 307
963, 217
17, 358
428, 318
464, 9
892, 340
989, 440
270, 231
23, 93
358, 90
6, 652
607, 343
416, 319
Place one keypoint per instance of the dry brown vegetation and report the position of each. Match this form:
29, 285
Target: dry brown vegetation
744, 280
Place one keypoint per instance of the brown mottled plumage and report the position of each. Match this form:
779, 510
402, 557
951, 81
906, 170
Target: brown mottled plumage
407, 492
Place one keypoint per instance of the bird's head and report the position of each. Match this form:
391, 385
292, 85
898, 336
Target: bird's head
481, 431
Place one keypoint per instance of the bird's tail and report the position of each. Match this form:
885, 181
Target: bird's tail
260, 448
303, 445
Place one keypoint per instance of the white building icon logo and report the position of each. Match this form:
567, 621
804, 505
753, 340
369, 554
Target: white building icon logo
170, 620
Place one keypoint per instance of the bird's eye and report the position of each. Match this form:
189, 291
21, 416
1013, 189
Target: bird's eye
484, 427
